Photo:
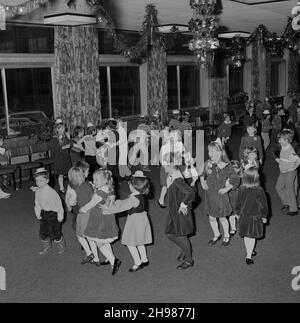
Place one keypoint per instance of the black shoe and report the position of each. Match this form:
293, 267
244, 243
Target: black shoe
135, 268
87, 259
105, 263
144, 264
162, 206
215, 240
226, 242
285, 208
233, 233
96, 263
185, 265
254, 254
116, 266
249, 262
181, 257
292, 213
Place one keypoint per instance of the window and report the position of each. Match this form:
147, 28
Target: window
27, 39
120, 91
235, 80
107, 41
30, 101
274, 79
183, 86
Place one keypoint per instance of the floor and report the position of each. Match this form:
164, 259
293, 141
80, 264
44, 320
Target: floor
219, 275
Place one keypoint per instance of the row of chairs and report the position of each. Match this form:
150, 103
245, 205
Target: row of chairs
26, 153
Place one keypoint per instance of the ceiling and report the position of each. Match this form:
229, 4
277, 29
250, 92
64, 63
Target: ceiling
129, 14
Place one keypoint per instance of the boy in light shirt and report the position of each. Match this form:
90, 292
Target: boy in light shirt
288, 161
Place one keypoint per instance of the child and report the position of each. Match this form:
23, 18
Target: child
276, 125
90, 148
266, 127
297, 125
251, 140
252, 208
175, 121
233, 194
61, 144
225, 129
137, 231
102, 228
217, 179
144, 133
288, 161
250, 158
77, 150
84, 192
180, 224
3, 163
49, 211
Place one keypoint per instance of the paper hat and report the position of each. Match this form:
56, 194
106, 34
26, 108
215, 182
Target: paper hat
187, 114
90, 125
58, 121
266, 112
175, 112
139, 174
40, 171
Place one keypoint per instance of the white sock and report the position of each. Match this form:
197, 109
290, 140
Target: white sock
250, 245
215, 226
225, 225
107, 253
232, 220
94, 249
163, 195
61, 182
85, 245
143, 253
135, 255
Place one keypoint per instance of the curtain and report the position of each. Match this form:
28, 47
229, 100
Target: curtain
157, 88
255, 70
77, 75
268, 73
292, 74
218, 96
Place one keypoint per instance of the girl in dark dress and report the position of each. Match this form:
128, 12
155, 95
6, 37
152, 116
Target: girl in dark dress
61, 143
252, 208
217, 179
180, 198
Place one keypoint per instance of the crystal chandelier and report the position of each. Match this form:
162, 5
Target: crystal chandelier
204, 26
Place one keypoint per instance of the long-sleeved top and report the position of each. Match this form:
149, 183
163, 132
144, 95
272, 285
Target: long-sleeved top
47, 199
277, 123
225, 129
254, 142
266, 126
89, 144
289, 160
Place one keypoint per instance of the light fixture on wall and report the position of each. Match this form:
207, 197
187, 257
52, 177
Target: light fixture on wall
204, 26
70, 19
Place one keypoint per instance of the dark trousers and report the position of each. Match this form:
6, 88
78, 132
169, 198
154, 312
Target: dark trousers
184, 244
50, 228
92, 161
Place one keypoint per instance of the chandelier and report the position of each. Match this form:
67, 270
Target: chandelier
204, 26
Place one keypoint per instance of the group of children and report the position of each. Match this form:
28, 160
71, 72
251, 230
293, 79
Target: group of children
233, 194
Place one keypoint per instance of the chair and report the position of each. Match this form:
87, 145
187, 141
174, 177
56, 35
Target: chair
10, 170
25, 153
40, 148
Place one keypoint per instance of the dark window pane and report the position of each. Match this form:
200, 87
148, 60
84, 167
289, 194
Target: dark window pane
125, 91
274, 79
107, 43
30, 101
189, 86
27, 39
172, 88
104, 93
235, 80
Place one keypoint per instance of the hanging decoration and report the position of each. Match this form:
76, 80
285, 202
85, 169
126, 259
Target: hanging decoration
204, 26
296, 17
23, 8
238, 49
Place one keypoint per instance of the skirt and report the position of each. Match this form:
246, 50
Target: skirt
62, 163
251, 227
216, 205
137, 230
81, 224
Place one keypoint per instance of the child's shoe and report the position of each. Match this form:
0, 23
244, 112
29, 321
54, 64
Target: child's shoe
116, 266
61, 246
47, 248
249, 262
87, 259
185, 265
292, 213
285, 208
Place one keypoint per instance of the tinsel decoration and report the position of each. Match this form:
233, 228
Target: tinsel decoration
23, 8
238, 48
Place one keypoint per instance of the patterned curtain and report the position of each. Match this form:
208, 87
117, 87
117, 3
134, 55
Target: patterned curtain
218, 96
292, 74
255, 70
157, 88
77, 75
268, 74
